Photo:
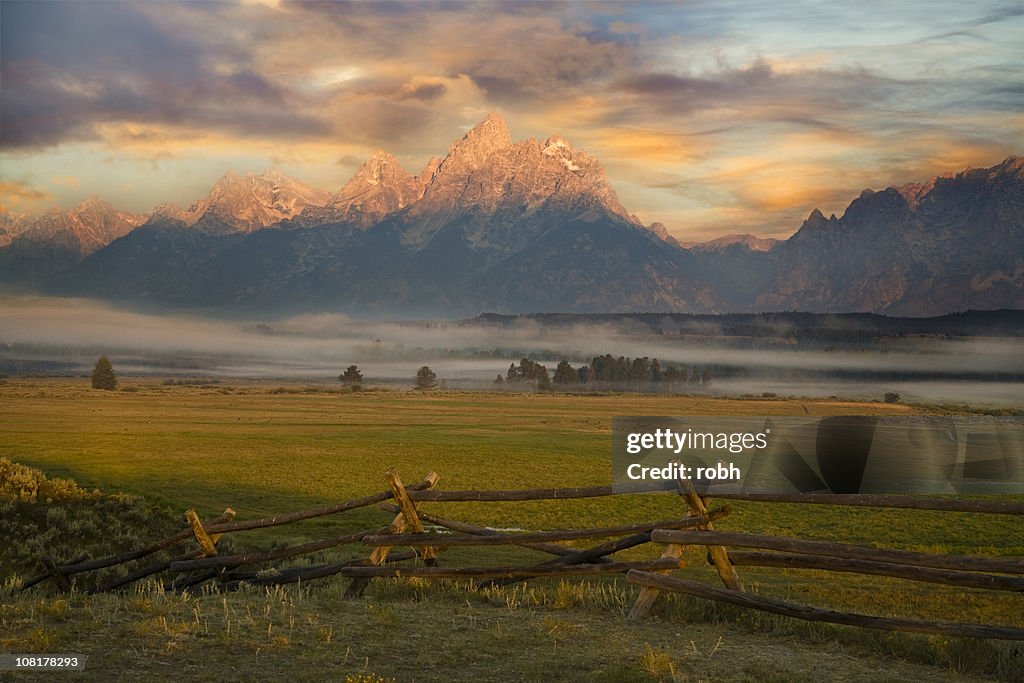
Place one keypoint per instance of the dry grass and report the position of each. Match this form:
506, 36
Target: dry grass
265, 451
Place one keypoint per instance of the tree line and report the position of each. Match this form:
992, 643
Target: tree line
609, 372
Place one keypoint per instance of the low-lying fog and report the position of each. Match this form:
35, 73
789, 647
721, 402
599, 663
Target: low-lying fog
54, 336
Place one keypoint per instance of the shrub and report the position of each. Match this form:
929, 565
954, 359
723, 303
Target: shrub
892, 397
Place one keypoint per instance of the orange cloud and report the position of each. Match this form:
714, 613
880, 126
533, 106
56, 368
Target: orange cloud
17, 196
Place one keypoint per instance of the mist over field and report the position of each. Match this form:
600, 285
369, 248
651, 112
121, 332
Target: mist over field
64, 336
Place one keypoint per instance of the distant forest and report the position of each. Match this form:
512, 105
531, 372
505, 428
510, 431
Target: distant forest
605, 373
839, 327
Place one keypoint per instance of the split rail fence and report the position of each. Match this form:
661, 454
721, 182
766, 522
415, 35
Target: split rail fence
203, 563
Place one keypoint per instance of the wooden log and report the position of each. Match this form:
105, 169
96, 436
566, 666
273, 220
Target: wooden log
120, 558
298, 574
847, 550
899, 502
668, 583
412, 520
280, 553
455, 525
531, 537
58, 576
182, 584
587, 556
508, 572
222, 528
143, 572
726, 571
358, 586
856, 500
207, 548
648, 596
948, 577
206, 543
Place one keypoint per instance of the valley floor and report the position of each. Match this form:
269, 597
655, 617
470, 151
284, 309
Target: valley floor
265, 449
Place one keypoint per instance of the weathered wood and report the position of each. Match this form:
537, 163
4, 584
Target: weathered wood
726, 571
856, 500
587, 556
297, 574
698, 510
143, 572
899, 502
668, 583
207, 547
58, 576
110, 561
948, 577
465, 527
847, 550
649, 595
508, 572
225, 516
398, 525
181, 584
280, 553
206, 543
412, 520
532, 537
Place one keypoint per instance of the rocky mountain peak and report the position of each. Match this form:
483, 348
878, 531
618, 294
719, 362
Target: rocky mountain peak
251, 202
484, 140
380, 187
557, 147
382, 167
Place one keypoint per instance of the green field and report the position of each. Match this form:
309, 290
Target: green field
263, 449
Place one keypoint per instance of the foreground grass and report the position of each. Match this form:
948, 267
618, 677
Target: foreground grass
408, 631
265, 450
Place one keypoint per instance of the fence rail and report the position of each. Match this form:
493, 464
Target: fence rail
198, 560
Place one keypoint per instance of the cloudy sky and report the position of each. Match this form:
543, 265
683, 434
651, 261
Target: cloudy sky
711, 117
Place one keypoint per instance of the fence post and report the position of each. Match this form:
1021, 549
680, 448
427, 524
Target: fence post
649, 594
407, 511
719, 556
412, 519
207, 542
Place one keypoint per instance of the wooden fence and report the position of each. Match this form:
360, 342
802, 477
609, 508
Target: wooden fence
195, 567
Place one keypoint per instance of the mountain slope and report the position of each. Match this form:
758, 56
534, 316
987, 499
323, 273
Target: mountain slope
529, 226
250, 202
58, 239
958, 243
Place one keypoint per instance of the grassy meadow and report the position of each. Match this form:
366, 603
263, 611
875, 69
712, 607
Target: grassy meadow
155, 450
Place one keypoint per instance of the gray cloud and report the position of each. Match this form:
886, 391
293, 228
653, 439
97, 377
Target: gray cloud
68, 67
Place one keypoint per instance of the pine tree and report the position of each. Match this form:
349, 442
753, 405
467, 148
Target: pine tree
565, 374
425, 378
103, 375
351, 376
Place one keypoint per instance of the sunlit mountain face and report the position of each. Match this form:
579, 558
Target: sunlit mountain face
525, 226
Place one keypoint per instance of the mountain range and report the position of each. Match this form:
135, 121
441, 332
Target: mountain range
516, 227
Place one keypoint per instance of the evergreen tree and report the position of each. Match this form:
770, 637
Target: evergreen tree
565, 374
103, 375
541, 378
425, 378
351, 376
